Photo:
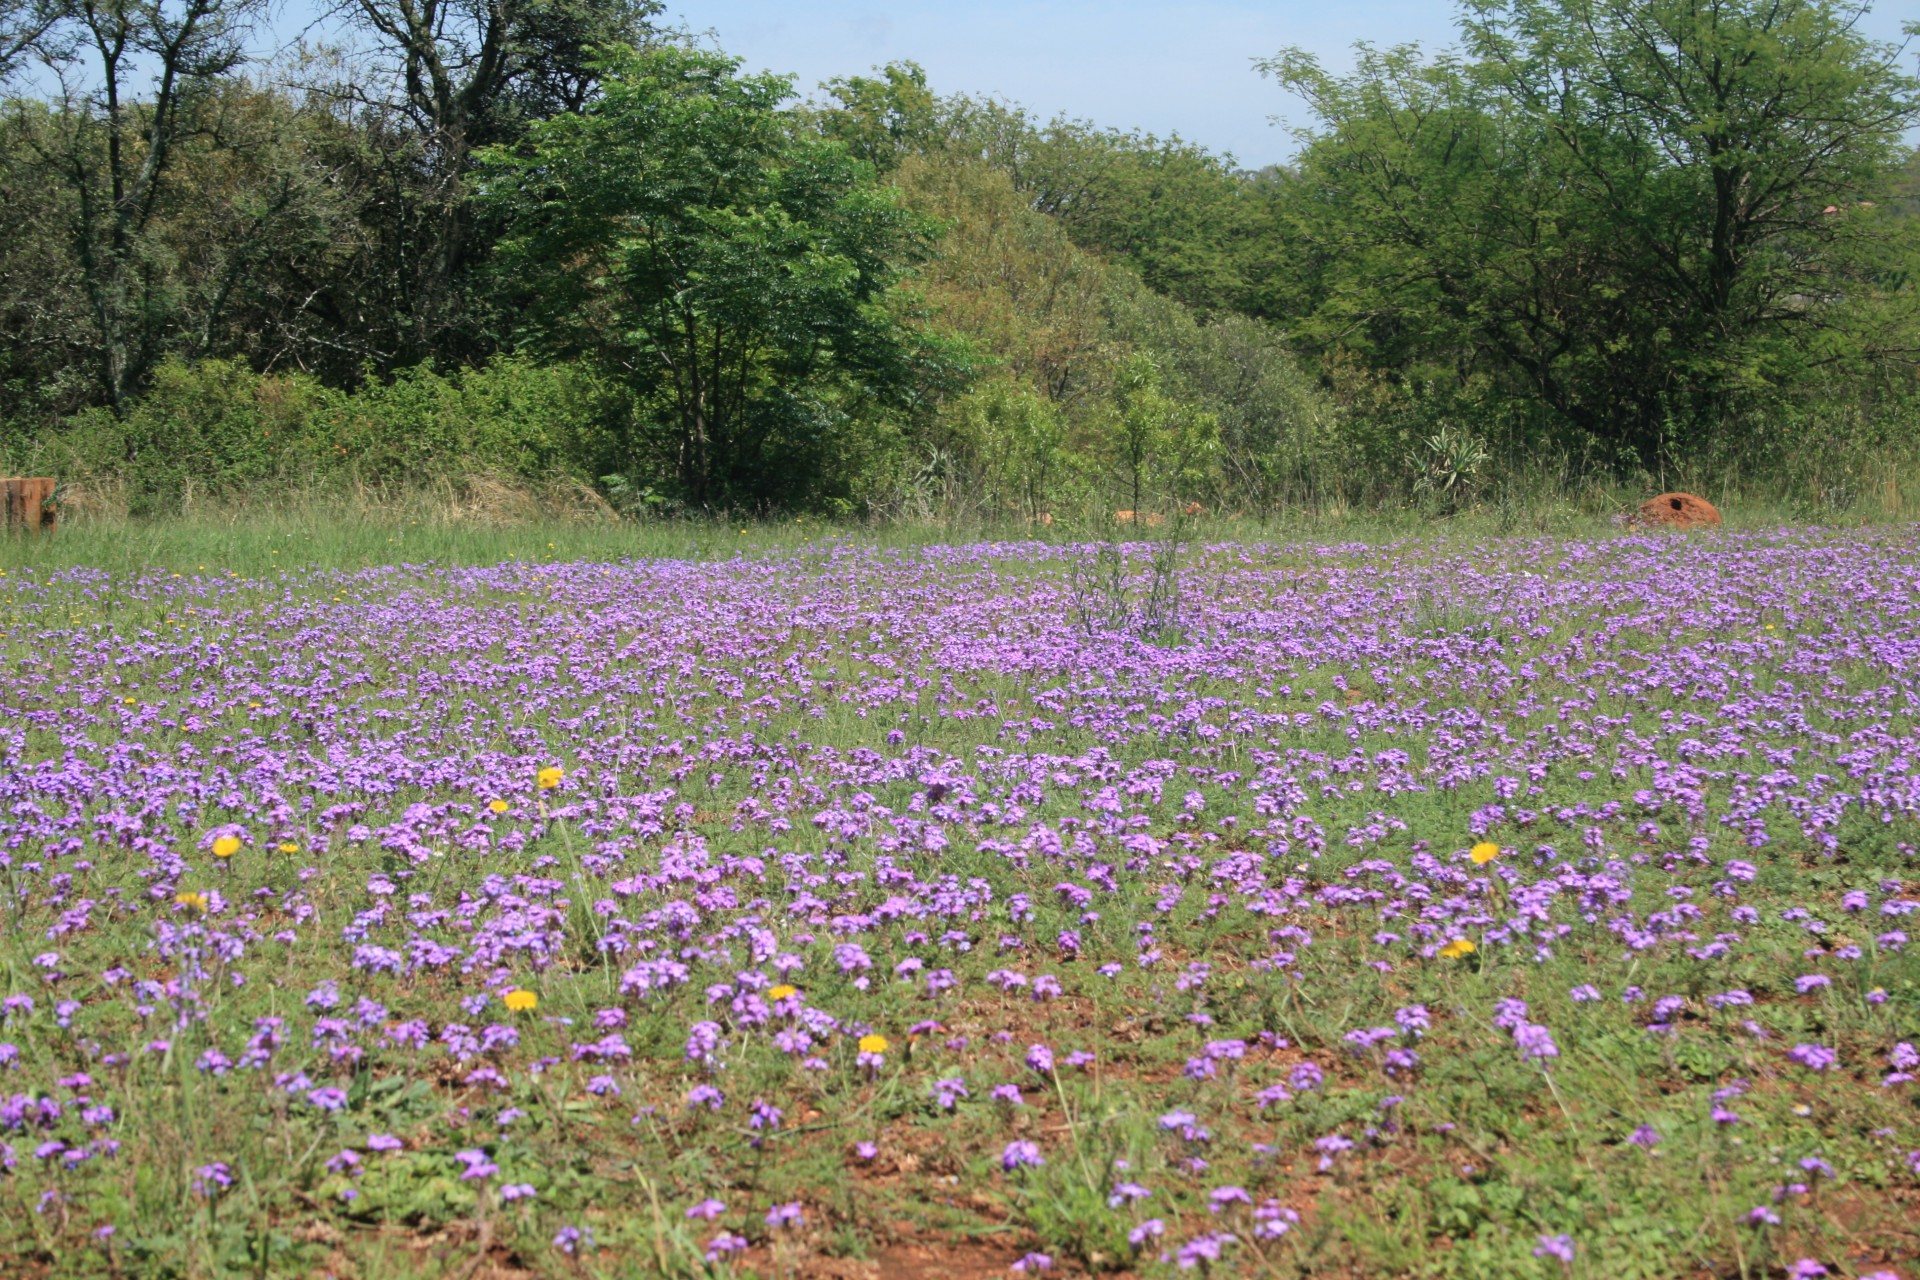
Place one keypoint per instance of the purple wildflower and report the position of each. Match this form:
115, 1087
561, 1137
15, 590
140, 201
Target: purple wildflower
1021, 1154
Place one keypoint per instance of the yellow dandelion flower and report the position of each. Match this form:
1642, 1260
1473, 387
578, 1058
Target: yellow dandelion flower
288, 846
186, 898
1484, 852
549, 778
1457, 948
873, 1044
521, 1001
498, 806
226, 846
782, 991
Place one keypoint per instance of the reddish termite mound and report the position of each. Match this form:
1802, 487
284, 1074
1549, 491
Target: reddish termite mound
1676, 511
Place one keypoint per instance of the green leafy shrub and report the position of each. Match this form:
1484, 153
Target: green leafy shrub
217, 430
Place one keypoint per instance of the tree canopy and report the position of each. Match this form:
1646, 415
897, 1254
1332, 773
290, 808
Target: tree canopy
1634, 216
738, 275
1591, 239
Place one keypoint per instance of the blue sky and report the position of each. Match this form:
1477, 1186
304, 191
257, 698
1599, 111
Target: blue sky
1162, 68
1182, 67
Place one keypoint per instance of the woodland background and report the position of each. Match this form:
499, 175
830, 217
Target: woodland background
551, 249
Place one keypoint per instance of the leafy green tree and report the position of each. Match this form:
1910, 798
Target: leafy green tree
1618, 209
1186, 219
1190, 223
1279, 437
1011, 444
245, 230
1710, 138
22, 24
1193, 226
1008, 278
738, 274
450, 77
47, 365
883, 119
116, 150
1433, 238
1162, 448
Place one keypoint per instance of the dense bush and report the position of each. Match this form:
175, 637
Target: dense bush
1281, 437
1102, 389
216, 430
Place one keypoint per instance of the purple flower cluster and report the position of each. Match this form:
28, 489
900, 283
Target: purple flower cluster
877, 834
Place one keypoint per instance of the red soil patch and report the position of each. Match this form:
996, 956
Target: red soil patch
916, 1260
901, 1260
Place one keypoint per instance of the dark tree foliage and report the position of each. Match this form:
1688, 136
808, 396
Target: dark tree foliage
117, 153
22, 24
1638, 216
677, 231
453, 76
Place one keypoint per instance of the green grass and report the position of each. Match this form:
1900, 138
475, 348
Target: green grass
319, 529
1487, 1153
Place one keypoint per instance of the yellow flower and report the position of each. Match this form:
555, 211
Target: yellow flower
498, 806
128, 701
873, 1044
288, 846
521, 1001
198, 901
549, 778
782, 991
1457, 948
1484, 852
226, 846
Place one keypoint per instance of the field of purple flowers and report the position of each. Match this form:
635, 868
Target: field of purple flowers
1541, 909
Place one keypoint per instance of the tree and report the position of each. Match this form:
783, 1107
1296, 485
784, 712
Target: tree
1278, 437
1008, 278
1000, 449
1434, 239
1711, 137
47, 337
241, 214
116, 151
1157, 442
885, 119
22, 24
1617, 207
736, 273
1191, 224
466, 74
1182, 217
